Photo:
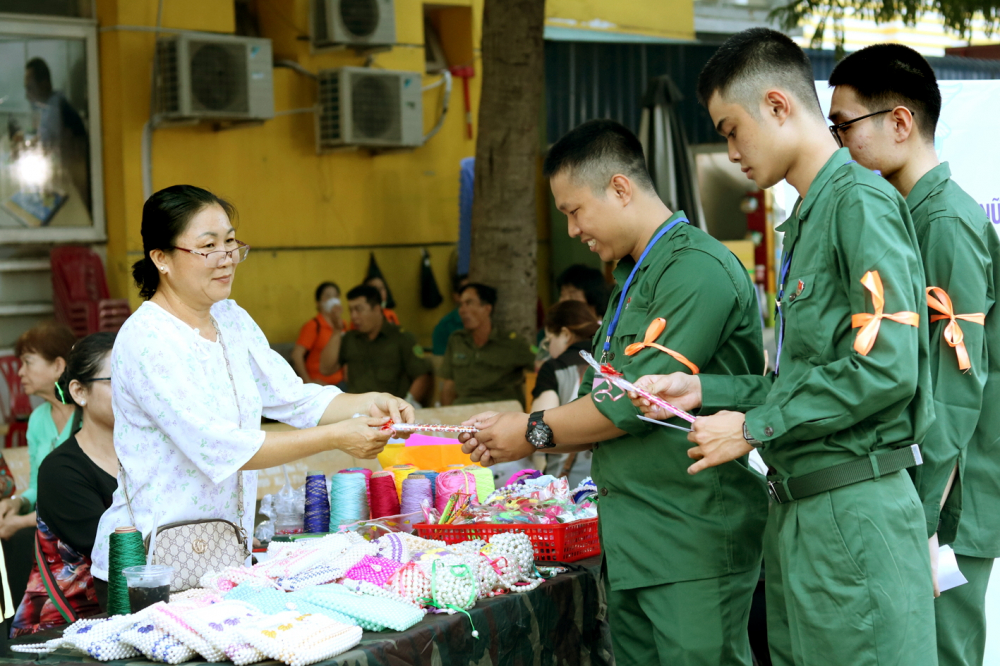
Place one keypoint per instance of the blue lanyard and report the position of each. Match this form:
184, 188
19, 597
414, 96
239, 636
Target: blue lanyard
628, 283
786, 263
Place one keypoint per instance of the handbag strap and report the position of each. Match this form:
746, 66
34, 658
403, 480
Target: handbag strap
55, 592
239, 474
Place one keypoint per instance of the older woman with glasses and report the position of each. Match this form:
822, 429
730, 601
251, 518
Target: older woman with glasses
192, 374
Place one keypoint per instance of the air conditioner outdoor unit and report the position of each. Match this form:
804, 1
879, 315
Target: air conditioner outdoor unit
214, 77
373, 108
353, 23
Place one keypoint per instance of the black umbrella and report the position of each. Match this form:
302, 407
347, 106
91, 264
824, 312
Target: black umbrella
668, 156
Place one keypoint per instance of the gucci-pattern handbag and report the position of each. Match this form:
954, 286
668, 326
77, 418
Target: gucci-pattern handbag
197, 547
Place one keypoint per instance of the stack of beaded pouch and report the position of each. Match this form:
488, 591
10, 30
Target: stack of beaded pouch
298, 640
284, 560
331, 570
411, 583
375, 570
454, 582
392, 546
173, 620
270, 601
219, 626
370, 612
517, 549
156, 644
96, 638
372, 590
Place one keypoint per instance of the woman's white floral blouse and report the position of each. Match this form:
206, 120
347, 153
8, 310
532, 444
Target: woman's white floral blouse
178, 433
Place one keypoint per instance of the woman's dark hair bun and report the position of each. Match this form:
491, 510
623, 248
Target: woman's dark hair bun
84, 362
165, 216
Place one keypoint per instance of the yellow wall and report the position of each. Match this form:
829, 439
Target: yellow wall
308, 217
668, 19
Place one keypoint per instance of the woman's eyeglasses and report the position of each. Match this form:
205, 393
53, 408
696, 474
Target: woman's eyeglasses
216, 258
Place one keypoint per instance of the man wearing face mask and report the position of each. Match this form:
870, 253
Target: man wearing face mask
317, 333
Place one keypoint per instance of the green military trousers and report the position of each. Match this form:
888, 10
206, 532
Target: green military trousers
961, 615
848, 578
689, 623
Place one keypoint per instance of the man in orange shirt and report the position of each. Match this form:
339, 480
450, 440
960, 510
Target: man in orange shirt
317, 333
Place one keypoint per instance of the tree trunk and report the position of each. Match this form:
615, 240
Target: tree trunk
504, 227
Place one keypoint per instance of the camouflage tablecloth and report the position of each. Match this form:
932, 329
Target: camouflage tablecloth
563, 622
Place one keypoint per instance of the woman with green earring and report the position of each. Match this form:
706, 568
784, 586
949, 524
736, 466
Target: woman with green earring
43, 351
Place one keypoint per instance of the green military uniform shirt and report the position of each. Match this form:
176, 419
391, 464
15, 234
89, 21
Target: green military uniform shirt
830, 404
660, 524
961, 255
387, 364
492, 372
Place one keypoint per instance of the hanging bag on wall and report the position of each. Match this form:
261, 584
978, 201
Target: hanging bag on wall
430, 295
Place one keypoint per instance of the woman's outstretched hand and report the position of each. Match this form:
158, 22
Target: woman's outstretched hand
361, 437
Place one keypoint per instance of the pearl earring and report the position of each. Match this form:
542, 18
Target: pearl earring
83, 403
162, 269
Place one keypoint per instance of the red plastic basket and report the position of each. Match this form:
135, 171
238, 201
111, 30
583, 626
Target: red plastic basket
567, 542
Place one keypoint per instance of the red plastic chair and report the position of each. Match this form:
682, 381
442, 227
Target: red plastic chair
16, 413
81, 292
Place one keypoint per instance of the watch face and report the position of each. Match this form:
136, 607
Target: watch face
540, 436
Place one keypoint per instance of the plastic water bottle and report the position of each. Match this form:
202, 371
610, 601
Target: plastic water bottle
288, 510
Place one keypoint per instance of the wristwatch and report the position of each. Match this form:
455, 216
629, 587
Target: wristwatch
539, 434
747, 436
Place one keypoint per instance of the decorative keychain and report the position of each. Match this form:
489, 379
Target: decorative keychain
428, 427
618, 379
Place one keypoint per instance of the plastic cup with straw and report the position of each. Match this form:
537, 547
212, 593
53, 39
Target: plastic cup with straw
149, 583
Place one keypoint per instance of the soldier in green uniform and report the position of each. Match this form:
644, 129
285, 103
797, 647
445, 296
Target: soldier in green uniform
482, 364
682, 554
885, 108
848, 575
378, 356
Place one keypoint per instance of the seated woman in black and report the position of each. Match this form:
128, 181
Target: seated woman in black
75, 485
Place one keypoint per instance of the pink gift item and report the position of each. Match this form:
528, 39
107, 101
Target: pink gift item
375, 570
427, 440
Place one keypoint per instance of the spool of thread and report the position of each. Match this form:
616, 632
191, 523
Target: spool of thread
451, 482
416, 489
368, 479
385, 502
125, 550
348, 500
317, 515
484, 481
400, 472
431, 476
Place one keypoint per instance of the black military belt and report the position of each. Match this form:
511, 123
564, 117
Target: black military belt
874, 466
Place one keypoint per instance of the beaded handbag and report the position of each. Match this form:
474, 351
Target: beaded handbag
197, 547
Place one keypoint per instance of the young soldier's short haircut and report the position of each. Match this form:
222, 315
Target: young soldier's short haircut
752, 61
885, 76
596, 151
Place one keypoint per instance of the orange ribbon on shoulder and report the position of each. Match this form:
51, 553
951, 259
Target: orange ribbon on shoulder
938, 299
654, 331
870, 323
